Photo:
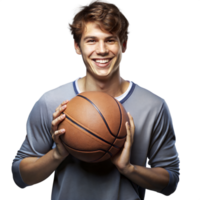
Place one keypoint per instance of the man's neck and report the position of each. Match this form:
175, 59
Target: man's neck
114, 88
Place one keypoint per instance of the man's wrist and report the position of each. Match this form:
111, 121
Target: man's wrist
57, 156
127, 170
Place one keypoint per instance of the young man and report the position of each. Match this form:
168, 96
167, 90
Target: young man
100, 35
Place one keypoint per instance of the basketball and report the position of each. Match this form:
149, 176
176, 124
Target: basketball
95, 126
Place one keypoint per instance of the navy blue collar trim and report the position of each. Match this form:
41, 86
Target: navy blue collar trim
75, 89
129, 94
122, 101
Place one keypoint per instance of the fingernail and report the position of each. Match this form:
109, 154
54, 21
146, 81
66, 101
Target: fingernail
62, 116
62, 130
64, 106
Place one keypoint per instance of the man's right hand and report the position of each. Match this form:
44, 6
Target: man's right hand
60, 151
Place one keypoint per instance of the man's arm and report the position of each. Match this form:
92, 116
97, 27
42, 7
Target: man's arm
150, 178
34, 170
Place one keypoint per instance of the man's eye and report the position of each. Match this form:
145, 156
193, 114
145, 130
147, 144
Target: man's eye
94, 40
111, 41
91, 41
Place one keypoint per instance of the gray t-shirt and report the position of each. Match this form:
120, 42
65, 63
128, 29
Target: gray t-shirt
74, 179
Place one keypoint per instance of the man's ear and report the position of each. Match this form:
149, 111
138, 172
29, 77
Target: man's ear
77, 48
124, 46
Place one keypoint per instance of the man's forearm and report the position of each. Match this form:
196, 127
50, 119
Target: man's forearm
34, 170
151, 178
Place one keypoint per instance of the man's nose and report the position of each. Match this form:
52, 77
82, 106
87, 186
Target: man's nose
102, 49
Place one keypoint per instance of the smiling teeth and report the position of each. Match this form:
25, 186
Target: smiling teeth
102, 61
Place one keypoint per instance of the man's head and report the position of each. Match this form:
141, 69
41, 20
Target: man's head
107, 16
101, 52
100, 33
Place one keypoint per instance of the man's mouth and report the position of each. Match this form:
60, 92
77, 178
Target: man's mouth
102, 62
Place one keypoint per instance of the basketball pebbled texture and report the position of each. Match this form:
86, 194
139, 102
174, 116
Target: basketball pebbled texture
95, 126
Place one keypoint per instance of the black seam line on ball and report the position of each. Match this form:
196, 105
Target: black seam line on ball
102, 156
90, 131
87, 150
120, 119
101, 117
120, 122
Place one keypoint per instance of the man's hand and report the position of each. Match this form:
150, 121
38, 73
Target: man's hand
122, 159
58, 117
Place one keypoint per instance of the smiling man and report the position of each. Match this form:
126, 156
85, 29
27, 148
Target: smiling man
100, 37
101, 52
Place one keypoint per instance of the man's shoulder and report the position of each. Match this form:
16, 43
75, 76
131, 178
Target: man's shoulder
148, 95
62, 90
53, 98
145, 99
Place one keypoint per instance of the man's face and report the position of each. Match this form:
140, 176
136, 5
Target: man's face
101, 51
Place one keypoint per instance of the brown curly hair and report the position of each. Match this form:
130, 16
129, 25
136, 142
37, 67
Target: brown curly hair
107, 16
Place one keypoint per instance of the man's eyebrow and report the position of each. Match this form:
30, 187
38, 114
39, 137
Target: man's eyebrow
107, 38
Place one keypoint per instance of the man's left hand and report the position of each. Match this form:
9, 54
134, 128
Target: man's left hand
122, 159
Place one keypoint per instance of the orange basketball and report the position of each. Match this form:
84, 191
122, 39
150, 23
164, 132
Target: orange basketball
95, 126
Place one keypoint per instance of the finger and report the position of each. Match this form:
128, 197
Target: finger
59, 107
58, 119
128, 130
56, 122
132, 126
131, 122
127, 126
59, 111
57, 134
129, 137
62, 104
